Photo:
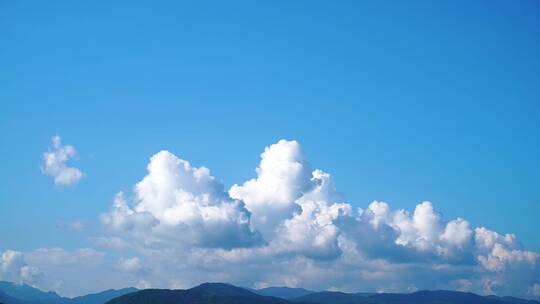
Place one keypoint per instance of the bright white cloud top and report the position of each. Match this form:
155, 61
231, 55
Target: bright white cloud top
54, 163
286, 226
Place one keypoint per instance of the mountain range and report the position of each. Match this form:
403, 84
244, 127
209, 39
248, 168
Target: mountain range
221, 293
11, 293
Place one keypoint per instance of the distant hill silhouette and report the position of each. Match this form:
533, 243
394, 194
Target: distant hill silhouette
329, 297
283, 292
6, 299
419, 297
430, 297
25, 292
207, 293
220, 293
11, 293
101, 297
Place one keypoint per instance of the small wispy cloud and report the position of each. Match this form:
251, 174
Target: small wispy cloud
132, 265
54, 163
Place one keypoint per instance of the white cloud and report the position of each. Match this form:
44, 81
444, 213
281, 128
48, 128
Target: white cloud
283, 176
76, 272
288, 226
143, 284
500, 257
54, 163
59, 256
176, 202
130, 264
184, 220
112, 242
486, 239
457, 233
497, 252
313, 232
13, 268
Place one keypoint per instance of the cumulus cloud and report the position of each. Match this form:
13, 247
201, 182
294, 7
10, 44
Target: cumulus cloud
176, 202
54, 163
13, 268
497, 252
421, 234
314, 231
289, 225
282, 176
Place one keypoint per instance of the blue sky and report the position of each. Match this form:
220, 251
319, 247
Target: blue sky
400, 102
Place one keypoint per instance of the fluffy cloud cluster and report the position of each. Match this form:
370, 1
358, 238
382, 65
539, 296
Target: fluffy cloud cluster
400, 236
282, 176
289, 226
178, 203
54, 163
13, 268
497, 252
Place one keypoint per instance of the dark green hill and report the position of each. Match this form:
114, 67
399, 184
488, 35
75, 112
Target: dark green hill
208, 293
